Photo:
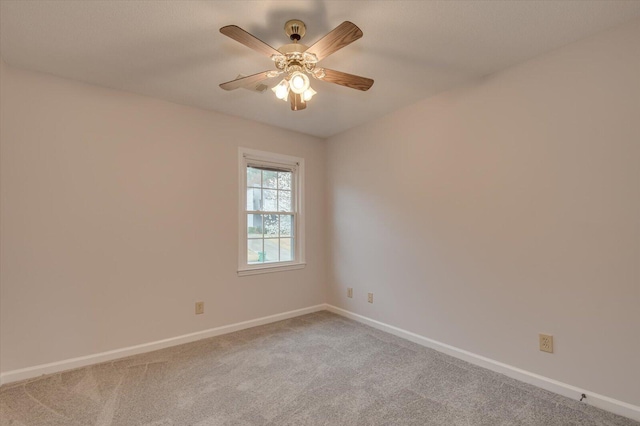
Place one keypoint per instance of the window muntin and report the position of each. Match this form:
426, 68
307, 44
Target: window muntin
271, 221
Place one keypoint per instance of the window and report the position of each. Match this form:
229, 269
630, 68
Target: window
271, 220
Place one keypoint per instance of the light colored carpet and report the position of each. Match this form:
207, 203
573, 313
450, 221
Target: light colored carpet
319, 369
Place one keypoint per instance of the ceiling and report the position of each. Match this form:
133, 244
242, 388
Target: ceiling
172, 49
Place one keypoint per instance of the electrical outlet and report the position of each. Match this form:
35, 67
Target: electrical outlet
199, 308
350, 292
370, 298
546, 343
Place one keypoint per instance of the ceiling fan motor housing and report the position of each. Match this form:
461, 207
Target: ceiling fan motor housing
293, 48
295, 58
295, 29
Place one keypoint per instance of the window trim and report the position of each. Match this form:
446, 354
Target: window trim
246, 156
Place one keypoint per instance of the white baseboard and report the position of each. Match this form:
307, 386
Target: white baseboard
600, 401
69, 364
609, 404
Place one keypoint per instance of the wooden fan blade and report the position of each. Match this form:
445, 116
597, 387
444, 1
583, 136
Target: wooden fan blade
348, 80
241, 36
341, 36
297, 103
245, 81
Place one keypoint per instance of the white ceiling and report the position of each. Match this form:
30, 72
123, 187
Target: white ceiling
172, 49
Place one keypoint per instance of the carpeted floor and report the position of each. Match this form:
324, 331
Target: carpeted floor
319, 369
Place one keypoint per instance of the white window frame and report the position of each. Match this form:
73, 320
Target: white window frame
248, 156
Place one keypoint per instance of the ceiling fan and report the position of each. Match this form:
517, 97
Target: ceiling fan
297, 62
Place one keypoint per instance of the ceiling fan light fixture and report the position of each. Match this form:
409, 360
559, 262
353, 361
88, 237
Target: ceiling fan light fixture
282, 90
298, 82
298, 62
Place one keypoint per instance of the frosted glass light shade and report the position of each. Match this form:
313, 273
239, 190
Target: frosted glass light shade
298, 82
308, 94
282, 90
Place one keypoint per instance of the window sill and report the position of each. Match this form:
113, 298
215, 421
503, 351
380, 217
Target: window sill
269, 269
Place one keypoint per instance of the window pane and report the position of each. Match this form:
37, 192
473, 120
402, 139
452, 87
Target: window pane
255, 254
254, 199
269, 202
286, 223
271, 250
254, 177
284, 201
254, 225
270, 225
286, 249
284, 180
269, 179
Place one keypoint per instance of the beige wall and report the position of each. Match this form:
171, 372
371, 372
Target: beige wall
486, 215
118, 212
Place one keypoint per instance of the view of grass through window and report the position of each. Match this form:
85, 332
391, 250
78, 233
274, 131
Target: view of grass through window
269, 216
